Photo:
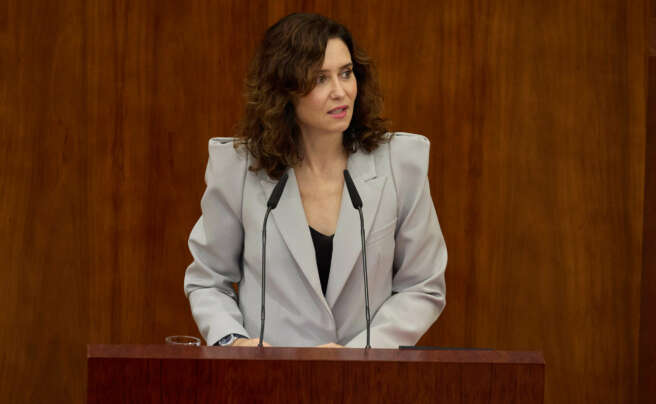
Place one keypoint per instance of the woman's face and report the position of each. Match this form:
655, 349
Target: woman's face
328, 108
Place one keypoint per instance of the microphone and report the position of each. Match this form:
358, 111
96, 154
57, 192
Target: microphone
277, 192
271, 204
357, 204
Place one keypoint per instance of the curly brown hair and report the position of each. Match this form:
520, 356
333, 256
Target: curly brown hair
284, 67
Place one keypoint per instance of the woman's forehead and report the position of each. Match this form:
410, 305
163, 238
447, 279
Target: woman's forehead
337, 55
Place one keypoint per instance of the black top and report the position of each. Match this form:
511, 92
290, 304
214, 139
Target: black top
323, 249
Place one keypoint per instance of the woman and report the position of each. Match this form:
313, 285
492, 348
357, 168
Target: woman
312, 111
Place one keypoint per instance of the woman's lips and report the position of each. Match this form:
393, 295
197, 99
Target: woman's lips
339, 112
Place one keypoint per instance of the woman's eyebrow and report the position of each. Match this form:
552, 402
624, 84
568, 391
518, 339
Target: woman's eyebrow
342, 67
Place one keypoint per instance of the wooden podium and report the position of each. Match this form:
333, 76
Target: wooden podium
173, 374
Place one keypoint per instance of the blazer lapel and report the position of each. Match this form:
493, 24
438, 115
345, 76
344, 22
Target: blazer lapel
289, 218
347, 245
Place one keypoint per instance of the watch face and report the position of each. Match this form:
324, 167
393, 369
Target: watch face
225, 340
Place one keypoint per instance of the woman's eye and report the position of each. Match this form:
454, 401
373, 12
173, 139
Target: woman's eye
346, 74
321, 79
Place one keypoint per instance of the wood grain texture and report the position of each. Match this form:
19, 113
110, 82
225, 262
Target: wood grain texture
105, 103
647, 361
145, 377
44, 235
281, 375
648, 286
152, 351
536, 113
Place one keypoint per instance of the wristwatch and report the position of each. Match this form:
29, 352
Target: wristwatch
229, 339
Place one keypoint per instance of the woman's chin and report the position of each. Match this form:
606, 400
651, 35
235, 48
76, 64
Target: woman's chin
340, 126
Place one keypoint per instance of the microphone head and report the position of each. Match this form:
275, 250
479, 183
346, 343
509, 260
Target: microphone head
277, 192
353, 192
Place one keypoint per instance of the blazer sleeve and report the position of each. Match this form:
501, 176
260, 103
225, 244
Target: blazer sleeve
420, 256
216, 244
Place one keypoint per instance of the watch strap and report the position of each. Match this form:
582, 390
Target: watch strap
229, 339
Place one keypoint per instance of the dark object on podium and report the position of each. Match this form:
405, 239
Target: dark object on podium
173, 374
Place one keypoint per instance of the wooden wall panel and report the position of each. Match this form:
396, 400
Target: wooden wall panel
159, 89
648, 285
106, 103
536, 113
647, 377
43, 230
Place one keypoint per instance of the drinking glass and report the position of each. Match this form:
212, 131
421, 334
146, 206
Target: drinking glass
182, 340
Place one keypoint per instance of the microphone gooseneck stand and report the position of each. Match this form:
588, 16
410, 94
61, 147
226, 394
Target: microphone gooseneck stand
357, 204
271, 204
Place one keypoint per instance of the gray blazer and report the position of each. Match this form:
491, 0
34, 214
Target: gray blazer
406, 254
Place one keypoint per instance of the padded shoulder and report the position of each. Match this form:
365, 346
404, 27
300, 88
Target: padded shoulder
224, 159
226, 173
222, 140
409, 156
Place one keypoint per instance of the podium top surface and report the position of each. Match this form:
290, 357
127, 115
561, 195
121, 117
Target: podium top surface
312, 354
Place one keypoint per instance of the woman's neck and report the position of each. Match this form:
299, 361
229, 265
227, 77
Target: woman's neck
323, 154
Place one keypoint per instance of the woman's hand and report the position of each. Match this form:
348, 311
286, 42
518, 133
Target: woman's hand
248, 342
330, 345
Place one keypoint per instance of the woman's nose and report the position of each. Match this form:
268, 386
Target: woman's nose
337, 90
